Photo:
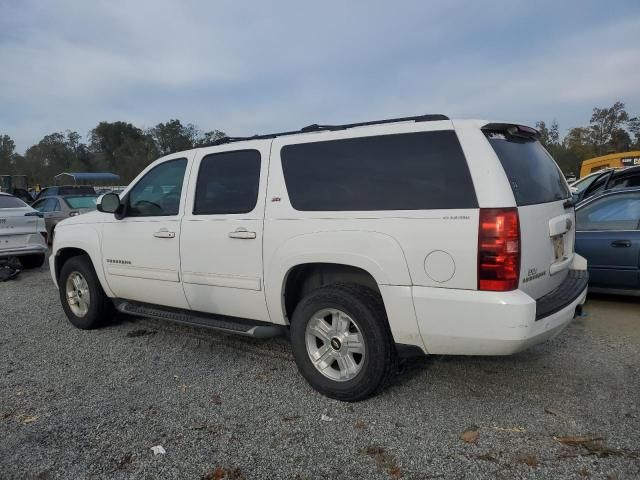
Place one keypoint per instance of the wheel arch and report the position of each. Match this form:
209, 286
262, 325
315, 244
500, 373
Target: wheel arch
73, 241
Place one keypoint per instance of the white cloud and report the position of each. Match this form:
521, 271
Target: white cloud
277, 65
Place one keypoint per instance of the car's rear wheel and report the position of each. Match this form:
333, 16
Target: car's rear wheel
341, 341
32, 261
81, 294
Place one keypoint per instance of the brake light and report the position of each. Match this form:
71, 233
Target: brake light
498, 249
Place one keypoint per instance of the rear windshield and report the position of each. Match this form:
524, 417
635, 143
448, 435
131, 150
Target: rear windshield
81, 202
75, 190
11, 202
532, 172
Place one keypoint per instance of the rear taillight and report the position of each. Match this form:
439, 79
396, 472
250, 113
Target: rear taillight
498, 249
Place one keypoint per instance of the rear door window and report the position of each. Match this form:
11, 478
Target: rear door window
410, 171
612, 212
228, 183
533, 174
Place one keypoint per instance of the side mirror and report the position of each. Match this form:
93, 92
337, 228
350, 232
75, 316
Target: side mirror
109, 203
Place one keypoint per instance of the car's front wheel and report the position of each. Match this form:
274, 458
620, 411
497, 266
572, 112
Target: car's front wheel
81, 294
341, 341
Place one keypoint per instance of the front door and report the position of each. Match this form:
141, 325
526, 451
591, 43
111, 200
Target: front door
609, 238
140, 252
221, 239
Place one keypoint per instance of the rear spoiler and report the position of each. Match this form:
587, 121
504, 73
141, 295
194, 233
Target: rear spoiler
513, 130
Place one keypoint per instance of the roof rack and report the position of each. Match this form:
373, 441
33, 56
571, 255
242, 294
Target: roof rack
320, 128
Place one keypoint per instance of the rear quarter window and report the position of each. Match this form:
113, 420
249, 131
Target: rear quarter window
410, 171
533, 174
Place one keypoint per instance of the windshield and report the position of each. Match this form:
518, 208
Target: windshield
532, 172
82, 202
7, 201
583, 183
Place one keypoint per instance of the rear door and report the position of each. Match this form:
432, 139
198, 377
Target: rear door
221, 239
609, 238
15, 224
547, 218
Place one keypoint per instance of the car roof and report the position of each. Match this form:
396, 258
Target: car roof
606, 193
620, 172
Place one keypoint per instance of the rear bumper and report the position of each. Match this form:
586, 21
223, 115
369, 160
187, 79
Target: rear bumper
472, 322
35, 245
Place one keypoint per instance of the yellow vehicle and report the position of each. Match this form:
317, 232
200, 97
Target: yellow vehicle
613, 160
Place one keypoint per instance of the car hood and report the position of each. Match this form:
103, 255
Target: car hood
90, 217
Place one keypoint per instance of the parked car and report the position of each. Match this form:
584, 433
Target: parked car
608, 236
57, 208
579, 185
65, 190
611, 179
22, 232
350, 237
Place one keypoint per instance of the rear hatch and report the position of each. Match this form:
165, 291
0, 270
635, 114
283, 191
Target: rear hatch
17, 222
545, 211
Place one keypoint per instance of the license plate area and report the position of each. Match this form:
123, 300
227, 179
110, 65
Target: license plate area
7, 241
558, 246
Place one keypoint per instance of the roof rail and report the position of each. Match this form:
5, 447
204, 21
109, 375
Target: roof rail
320, 128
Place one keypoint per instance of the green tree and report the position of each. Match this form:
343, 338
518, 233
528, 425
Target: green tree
633, 125
108, 138
208, 138
605, 127
7, 154
549, 136
174, 137
56, 153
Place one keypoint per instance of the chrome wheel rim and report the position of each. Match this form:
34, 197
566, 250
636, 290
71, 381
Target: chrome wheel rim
335, 344
78, 295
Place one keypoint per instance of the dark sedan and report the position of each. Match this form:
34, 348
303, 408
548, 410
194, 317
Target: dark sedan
610, 179
608, 236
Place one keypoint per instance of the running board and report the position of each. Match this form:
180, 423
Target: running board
237, 326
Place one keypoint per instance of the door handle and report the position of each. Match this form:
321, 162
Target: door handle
242, 233
621, 243
164, 233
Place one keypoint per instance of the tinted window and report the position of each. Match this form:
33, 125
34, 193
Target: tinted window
80, 190
158, 192
7, 201
228, 183
532, 173
411, 171
613, 212
626, 181
46, 205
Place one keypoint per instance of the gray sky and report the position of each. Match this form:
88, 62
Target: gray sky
258, 67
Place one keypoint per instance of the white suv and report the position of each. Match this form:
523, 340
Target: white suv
366, 242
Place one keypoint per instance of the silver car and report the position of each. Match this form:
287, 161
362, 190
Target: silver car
57, 208
22, 232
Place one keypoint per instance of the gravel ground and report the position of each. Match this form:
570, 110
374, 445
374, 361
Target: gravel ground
76, 404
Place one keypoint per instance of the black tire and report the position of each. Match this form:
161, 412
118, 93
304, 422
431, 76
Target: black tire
100, 306
32, 261
366, 308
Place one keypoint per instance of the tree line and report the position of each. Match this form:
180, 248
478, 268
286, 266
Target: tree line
117, 147
125, 149
610, 130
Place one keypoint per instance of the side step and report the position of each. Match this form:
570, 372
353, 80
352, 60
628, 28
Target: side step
237, 326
